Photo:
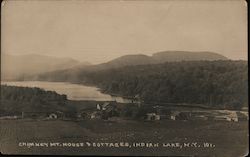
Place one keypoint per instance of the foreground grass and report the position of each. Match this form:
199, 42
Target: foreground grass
229, 138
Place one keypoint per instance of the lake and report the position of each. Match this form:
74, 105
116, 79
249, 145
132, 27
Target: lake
73, 91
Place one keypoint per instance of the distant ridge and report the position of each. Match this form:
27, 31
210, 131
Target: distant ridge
186, 56
75, 72
16, 66
162, 57
33, 66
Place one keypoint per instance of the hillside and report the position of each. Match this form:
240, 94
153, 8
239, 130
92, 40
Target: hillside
23, 99
172, 56
161, 57
18, 66
216, 83
73, 73
128, 60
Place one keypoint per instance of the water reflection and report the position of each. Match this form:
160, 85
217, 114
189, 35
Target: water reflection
73, 91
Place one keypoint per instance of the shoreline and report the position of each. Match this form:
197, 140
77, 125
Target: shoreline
126, 98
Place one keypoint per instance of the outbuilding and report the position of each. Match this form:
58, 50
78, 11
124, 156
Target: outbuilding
153, 116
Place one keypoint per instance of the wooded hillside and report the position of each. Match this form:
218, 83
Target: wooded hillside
213, 83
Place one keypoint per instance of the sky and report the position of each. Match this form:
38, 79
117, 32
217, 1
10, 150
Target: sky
98, 31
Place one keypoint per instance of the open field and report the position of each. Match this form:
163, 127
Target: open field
229, 138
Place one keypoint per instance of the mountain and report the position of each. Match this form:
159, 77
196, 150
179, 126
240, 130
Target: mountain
17, 66
74, 72
128, 60
161, 57
170, 56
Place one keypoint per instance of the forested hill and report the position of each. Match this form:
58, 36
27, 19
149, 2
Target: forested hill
162, 57
213, 83
171, 56
24, 99
141, 59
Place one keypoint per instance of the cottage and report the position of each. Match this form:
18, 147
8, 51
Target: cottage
152, 116
233, 116
242, 116
98, 107
228, 116
107, 109
173, 115
104, 106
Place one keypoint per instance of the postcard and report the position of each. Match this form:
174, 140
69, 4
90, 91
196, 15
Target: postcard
124, 78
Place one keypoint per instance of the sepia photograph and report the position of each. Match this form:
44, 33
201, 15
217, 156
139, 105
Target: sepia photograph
124, 78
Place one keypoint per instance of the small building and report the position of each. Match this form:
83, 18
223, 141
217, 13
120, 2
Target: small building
230, 116
173, 115
233, 116
107, 110
104, 106
152, 116
98, 107
242, 116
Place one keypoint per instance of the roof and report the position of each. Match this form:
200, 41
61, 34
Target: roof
109, 109
151, 114
137, 96
106, 104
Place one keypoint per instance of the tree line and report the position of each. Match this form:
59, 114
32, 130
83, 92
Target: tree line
29, 94
23, 99
219, 83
